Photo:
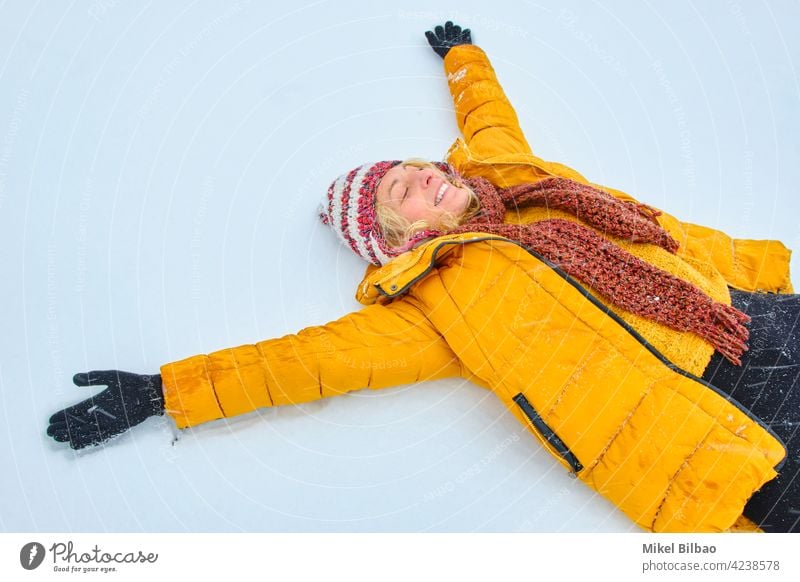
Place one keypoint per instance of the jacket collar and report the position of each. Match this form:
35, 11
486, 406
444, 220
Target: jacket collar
382, 284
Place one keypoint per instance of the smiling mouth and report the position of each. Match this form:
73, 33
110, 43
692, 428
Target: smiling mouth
440, 194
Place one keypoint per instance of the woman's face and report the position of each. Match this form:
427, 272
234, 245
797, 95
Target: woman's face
421, 194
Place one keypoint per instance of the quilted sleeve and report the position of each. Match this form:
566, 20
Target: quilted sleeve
377, 347
483, 113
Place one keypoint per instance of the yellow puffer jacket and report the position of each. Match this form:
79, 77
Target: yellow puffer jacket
615, 398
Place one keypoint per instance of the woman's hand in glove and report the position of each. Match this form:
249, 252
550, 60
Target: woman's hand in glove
443, 39
128, 400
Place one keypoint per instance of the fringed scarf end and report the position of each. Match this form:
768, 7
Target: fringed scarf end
727, 332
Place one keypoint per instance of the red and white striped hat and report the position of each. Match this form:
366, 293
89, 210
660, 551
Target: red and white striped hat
350, 212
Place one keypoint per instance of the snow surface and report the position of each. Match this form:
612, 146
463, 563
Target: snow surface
160, 168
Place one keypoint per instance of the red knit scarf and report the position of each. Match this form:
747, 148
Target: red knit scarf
622, 278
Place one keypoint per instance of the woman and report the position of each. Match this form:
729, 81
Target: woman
591, 316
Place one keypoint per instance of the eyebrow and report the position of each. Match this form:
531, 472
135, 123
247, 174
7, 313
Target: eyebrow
392, 185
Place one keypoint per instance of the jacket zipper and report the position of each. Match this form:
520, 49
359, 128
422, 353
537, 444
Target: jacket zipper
548, 434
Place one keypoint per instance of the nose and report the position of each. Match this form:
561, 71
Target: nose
424, 177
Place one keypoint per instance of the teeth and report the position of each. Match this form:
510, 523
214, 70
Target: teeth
440, 193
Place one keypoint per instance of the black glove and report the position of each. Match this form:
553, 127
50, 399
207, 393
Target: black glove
443, 39
128, 401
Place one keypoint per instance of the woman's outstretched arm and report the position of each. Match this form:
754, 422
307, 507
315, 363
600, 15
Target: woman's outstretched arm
484, 114
377, 347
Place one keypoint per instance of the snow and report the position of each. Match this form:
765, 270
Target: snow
160, 170
456, 76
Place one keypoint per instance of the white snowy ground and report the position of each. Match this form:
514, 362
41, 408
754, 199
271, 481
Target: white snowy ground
160, 167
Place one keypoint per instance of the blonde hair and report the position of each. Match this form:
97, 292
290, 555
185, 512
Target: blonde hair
397, 231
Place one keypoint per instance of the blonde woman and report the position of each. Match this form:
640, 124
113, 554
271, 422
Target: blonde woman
617, 334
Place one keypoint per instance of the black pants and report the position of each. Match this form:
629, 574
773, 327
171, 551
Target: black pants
768, 384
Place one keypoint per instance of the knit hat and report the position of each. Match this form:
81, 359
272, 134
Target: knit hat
350, 211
